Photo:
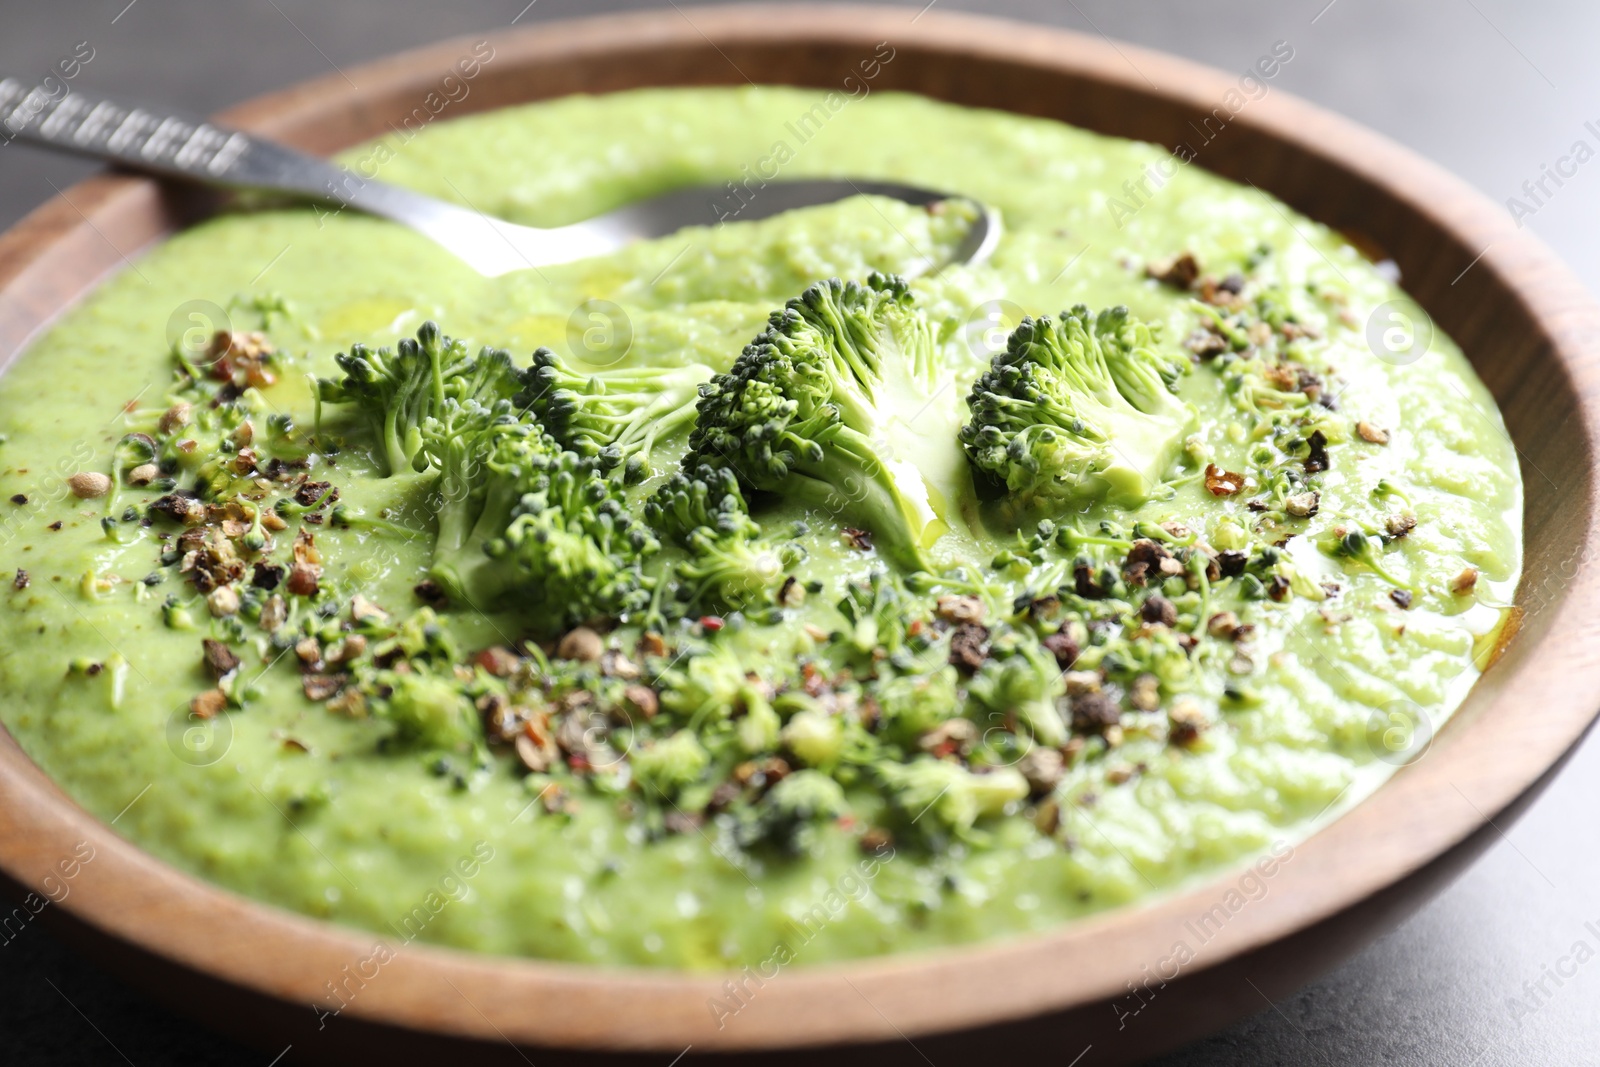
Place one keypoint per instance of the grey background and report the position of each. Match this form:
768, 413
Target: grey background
1492, 89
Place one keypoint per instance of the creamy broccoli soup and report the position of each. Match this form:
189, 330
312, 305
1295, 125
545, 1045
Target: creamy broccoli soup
758, 592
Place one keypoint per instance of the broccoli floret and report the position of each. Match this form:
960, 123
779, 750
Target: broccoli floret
418, 635
617, 414
427, 709
1078, 408
522, 522
913, 704
1024, 685
734, 573
949, 793
1358, 546
792, 808
398, 390
704, 497
571, 547
281, 442
815, 736
730, 565
490, 376
878, 613
806, 795
665, 767
792, 811
712, 686
846, 378
486, 460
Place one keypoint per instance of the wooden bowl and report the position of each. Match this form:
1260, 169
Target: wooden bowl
1529, 328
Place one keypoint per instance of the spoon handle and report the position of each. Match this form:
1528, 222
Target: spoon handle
174, 145
151, 140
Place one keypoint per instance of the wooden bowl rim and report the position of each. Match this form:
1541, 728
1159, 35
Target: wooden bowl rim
136, 899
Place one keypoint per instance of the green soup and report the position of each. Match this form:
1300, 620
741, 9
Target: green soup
1235, 742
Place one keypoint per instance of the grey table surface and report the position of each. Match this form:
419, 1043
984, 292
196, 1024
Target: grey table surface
1492, 89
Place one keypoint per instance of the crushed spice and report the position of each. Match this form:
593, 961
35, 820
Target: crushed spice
218, 657
860, 540
969, 646
1317, 454
1179, 272
1371, 434
1222, 483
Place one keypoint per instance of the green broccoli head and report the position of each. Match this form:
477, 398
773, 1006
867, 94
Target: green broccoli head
617, 414
731, 564
792, 813
1021, 691
490, 376
487, 458
913, 704
702, 497
807, 795
1351, 542
665, 767
878, 613
712, 686
428, 709
1078, 408
523, 519
821, 405
523, 523
399, 389
791, 810
815, 737
724, 572
571, 547
949, 794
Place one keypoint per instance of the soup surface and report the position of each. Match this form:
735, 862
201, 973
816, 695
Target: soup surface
1073, 669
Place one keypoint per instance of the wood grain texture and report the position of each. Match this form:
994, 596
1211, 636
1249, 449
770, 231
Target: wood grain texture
1528, 326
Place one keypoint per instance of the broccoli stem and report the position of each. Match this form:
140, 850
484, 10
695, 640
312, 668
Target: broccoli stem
624, 412
1369, 556
394, 451
853, 480
732, 574
1070, 538
1366, 550
346, 517
461, 563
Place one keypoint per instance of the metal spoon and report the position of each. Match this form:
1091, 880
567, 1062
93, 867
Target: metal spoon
202, 151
